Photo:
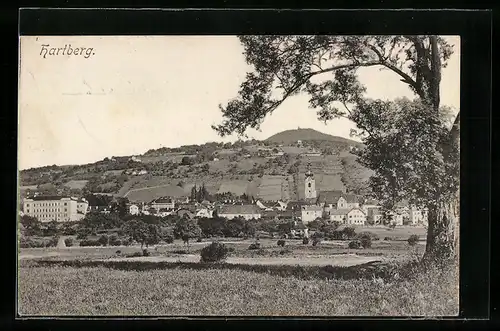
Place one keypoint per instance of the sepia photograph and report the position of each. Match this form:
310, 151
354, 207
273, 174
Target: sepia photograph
238, 175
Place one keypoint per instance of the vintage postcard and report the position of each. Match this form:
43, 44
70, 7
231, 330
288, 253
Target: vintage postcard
311, 175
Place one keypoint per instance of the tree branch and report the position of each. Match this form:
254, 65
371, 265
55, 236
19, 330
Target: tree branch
406, 78
304, 79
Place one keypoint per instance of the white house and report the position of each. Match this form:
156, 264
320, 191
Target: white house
418, 216
311, 212
369, 204
133, 210
356, 216
204, 212
245, 211
280, 205
163, 203
395, 218
339, 215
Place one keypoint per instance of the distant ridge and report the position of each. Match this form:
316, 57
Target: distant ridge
291, 137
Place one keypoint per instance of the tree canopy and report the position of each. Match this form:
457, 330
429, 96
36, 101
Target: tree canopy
408, 145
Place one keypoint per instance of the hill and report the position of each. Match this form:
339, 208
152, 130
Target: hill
292, 136
270, 170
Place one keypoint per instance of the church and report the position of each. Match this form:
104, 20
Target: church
320, 204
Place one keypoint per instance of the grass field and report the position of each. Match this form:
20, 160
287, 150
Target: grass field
219, 291
328, 279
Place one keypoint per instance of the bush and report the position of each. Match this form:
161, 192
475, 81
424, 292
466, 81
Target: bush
182, 251
371, 235
118, 252
30, 243
68, 242
355, 244
281, 243
366, 242
127, 242
387, 238
53, 241
413, 240
82, 233
254, 246
215, 252
349, 232
316, 241
89, 243
145, 252
199, 240
114, 241
169, 239
285, 251
103, 240
305, 241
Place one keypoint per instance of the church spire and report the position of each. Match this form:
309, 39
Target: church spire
309, 172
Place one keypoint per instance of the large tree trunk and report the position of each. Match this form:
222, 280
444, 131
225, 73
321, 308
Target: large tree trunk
444, 214
443, 232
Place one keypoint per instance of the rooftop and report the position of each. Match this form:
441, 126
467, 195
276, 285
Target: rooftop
49, 197
339, 211
239, 209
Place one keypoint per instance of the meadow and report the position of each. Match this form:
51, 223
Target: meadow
178, 291
329, 279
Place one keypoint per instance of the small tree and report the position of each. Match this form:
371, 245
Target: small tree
68, 242
186, 229
146, 234
281, 243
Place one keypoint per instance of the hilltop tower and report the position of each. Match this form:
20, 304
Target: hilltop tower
310, 184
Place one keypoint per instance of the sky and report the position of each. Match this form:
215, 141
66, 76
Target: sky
135, 93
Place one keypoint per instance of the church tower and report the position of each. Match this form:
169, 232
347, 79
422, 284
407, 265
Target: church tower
310, 185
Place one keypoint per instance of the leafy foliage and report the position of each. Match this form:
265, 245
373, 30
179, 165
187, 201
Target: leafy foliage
69, 242
413, 240
355, 244
145, 234
422, 162
186, 229
215, 252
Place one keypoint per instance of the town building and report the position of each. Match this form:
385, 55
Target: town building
338, 215
245, 211
337, 200
395, 218
418, 216
162, 203
369, 204
310, 213
310, 186
133, 209
204, 212
374, 216
55, 208
356, 216
99, 209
